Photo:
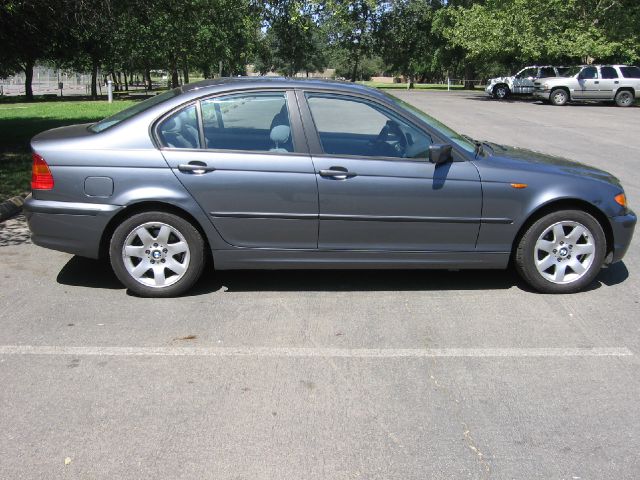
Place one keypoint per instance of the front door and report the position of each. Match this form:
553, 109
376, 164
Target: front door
588, 84
243, 163
376, 188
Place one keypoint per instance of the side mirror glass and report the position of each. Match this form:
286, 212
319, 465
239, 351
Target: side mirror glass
440, 153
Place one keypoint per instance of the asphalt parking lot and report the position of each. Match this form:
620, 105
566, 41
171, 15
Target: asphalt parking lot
333, 375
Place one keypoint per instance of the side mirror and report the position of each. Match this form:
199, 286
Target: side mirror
440, 153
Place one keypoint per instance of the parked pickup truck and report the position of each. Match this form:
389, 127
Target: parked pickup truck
522, 82
618, 83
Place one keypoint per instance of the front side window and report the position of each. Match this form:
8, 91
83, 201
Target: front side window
547, 72
527, 73
249, 121
180, 130
588, 73
608, 73
352, 126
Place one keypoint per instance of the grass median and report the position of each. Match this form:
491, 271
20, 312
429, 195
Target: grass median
19, 122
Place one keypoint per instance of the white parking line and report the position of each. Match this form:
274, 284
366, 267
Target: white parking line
294, 352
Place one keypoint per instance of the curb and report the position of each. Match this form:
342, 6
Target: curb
11, 207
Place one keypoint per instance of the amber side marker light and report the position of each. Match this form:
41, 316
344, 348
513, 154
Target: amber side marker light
519, 185
41, 178
621, 200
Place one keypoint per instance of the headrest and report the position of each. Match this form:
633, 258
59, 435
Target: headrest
280, 134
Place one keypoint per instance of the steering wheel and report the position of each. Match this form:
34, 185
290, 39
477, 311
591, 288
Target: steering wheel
392, 136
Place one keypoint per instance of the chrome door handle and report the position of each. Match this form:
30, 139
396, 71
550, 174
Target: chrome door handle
195, 167
339, 173
596, 82
616, 82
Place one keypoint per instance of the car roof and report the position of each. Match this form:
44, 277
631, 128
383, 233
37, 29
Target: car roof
238, 83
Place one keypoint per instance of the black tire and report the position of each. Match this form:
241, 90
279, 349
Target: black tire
559, 97
501, 92
624, 98
527, 253
191, 260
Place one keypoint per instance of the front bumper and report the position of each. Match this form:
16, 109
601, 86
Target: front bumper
544, 94
489, 89
70, 227
622, 228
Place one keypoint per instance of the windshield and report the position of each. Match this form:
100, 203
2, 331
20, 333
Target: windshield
440, 127
133, 110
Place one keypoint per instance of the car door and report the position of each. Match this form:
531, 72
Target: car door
377, 191
588, 84
523, 81
244, 159
609, 83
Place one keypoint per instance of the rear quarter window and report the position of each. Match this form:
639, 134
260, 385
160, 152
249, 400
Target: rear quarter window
630, 72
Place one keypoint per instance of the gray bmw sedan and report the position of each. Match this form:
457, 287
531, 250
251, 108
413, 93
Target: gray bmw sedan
272, 173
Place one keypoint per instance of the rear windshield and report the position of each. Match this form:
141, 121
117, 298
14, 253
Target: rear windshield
132, 110
630, 72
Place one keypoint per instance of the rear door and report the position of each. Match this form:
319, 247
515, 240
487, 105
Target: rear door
609, 82
243, 157
377, 189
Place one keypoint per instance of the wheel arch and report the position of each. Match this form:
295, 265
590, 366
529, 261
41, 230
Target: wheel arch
565, 204
147, 206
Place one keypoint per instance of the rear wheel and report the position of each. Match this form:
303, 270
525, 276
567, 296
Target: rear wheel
561, 252
624, 98
559, 97
157, 254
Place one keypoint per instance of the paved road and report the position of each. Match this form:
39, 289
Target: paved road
332, 375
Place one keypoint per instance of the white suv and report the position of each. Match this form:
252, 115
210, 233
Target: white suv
619, 83
522, 82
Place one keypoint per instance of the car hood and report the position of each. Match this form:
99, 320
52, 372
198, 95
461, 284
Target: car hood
530, 160
498, 79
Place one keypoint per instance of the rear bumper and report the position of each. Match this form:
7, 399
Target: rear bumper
70, 227
622, 228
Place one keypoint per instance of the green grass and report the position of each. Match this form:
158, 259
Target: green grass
417, 86
19, 122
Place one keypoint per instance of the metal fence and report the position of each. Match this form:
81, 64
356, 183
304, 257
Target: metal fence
47, 81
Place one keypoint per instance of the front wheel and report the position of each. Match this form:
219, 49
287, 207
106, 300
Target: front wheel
157, 254
559, 97
624, 98
561, 252
501, 92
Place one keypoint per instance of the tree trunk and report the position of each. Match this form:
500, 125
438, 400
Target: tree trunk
206, 71
94, 79
185, 70
175, 80
147, 77
28, 80
126, 82
468, 74
354, 71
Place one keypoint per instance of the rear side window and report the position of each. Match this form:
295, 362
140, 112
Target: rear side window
630, 72
351, 126
180, 130
608, 73
252, 122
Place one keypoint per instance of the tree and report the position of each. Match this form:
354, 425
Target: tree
292, 42
404, 33
29, 31
350, 27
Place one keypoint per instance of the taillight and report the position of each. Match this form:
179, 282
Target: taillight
41, 178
